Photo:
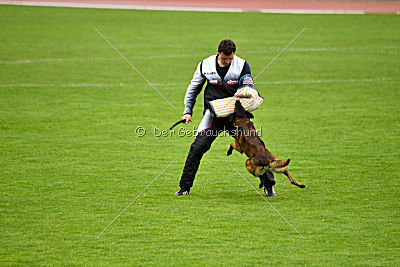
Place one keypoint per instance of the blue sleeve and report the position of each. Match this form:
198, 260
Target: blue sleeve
246, 69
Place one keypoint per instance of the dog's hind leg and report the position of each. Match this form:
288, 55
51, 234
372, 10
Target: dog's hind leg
286, 172
279, 164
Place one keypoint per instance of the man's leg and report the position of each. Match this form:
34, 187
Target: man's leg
268, 181
207, 133
198, 148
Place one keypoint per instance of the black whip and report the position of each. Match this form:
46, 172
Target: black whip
178, 122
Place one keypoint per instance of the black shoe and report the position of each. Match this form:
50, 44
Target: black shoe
269, 191
182, 192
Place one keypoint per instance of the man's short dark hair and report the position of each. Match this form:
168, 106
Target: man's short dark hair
227, 47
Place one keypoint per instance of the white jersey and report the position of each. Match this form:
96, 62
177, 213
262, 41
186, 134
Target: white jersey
217, 87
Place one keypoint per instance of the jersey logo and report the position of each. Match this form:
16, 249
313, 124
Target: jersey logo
210, 73
247, 80
232, 82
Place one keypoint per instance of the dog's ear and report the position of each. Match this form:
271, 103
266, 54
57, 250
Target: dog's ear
249, 115
238, 105
232, 117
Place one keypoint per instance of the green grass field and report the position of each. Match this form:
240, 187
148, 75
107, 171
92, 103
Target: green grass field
70, 160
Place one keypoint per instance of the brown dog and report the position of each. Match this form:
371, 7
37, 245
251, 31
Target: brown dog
247, 141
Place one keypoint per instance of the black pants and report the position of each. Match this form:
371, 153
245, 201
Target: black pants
202, 144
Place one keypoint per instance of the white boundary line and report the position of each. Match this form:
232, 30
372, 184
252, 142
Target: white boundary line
50, 60
329, 81
111, 6
366, 80
64, 85
83, 59
181, 8
293, 49
312, 11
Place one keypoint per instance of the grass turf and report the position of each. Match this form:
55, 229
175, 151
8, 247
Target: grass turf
70, 160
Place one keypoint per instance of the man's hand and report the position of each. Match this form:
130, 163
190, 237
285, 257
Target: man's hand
186, 117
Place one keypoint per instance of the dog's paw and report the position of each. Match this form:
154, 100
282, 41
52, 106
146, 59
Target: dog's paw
229, 152
302, 186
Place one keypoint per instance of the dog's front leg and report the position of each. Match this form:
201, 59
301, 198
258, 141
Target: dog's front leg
230, 149
234, 146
